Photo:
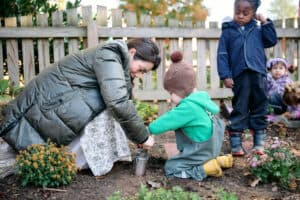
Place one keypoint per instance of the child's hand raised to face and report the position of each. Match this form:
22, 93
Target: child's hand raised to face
260, 18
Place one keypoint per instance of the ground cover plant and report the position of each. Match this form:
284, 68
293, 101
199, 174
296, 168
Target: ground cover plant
278, 164
46, 165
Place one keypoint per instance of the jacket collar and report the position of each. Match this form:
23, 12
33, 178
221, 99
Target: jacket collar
233, 24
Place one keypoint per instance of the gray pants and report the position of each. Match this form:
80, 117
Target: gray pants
189, 162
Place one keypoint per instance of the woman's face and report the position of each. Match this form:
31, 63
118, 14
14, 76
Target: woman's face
243, 13
138, 67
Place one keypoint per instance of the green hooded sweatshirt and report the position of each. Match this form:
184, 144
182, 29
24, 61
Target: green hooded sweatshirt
190, 115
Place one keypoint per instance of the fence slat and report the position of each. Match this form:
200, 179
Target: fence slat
214, 77
101, 20
86, 18
12, 54
159, 21
58, 44
27, 52
130, 18
72, 20
116, 17
201, 65
187, 50
145, 20
162, 67
101, 17
43, 44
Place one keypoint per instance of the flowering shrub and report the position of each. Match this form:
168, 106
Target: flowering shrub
278, 164
46, 165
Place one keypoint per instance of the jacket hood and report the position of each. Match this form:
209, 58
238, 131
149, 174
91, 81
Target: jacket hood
120, 47
202, 99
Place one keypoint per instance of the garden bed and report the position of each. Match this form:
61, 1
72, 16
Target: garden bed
122, 178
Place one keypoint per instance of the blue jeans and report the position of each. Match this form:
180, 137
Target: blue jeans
249, 102
277, 104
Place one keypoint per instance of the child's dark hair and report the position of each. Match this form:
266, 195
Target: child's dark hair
146, 50
254, 3
291, 95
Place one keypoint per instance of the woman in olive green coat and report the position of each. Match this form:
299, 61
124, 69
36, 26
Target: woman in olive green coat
66, 96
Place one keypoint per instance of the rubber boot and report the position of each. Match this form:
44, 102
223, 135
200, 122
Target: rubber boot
212, 168
225, 161
236, 144
259, 141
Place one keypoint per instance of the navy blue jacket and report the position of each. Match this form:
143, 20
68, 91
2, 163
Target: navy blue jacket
241, 49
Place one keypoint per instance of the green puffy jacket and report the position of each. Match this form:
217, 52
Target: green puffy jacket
63, 98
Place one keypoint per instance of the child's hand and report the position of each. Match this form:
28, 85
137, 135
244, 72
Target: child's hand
228, 82
260, 18
149, 143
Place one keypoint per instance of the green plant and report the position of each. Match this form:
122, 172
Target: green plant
4, 85
278, 164
46, 165
7, 91
148, 112
221, 194
159, 194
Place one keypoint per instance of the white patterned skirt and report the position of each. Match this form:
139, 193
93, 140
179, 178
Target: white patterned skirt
102, 143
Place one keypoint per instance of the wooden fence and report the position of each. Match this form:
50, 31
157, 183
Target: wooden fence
27, 49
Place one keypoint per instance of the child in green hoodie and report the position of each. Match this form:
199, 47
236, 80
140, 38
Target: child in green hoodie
199, 134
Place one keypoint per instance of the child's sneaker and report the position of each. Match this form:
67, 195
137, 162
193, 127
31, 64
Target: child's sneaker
212, 168
225, 161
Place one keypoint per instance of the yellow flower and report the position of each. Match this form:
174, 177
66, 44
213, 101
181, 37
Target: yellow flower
35, 165
34, 157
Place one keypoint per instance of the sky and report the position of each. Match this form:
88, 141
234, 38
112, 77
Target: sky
218, 9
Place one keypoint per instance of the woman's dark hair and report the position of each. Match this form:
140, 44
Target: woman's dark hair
146, 50
254, 3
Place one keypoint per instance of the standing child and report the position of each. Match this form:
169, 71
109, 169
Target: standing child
242, 67
198, 135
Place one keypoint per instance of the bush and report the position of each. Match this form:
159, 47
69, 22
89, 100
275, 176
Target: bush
148, 112
46, 165
278, 164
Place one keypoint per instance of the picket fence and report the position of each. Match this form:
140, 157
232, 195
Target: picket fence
26, 49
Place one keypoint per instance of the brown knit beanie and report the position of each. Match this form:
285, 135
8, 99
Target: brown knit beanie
180, 77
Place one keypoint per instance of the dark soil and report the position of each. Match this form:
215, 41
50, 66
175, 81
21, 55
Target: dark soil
122, 178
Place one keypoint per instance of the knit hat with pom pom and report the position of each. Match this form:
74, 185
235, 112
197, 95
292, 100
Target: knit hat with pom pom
180, 77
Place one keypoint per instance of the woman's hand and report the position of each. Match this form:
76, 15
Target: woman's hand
228, 82
149, 143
